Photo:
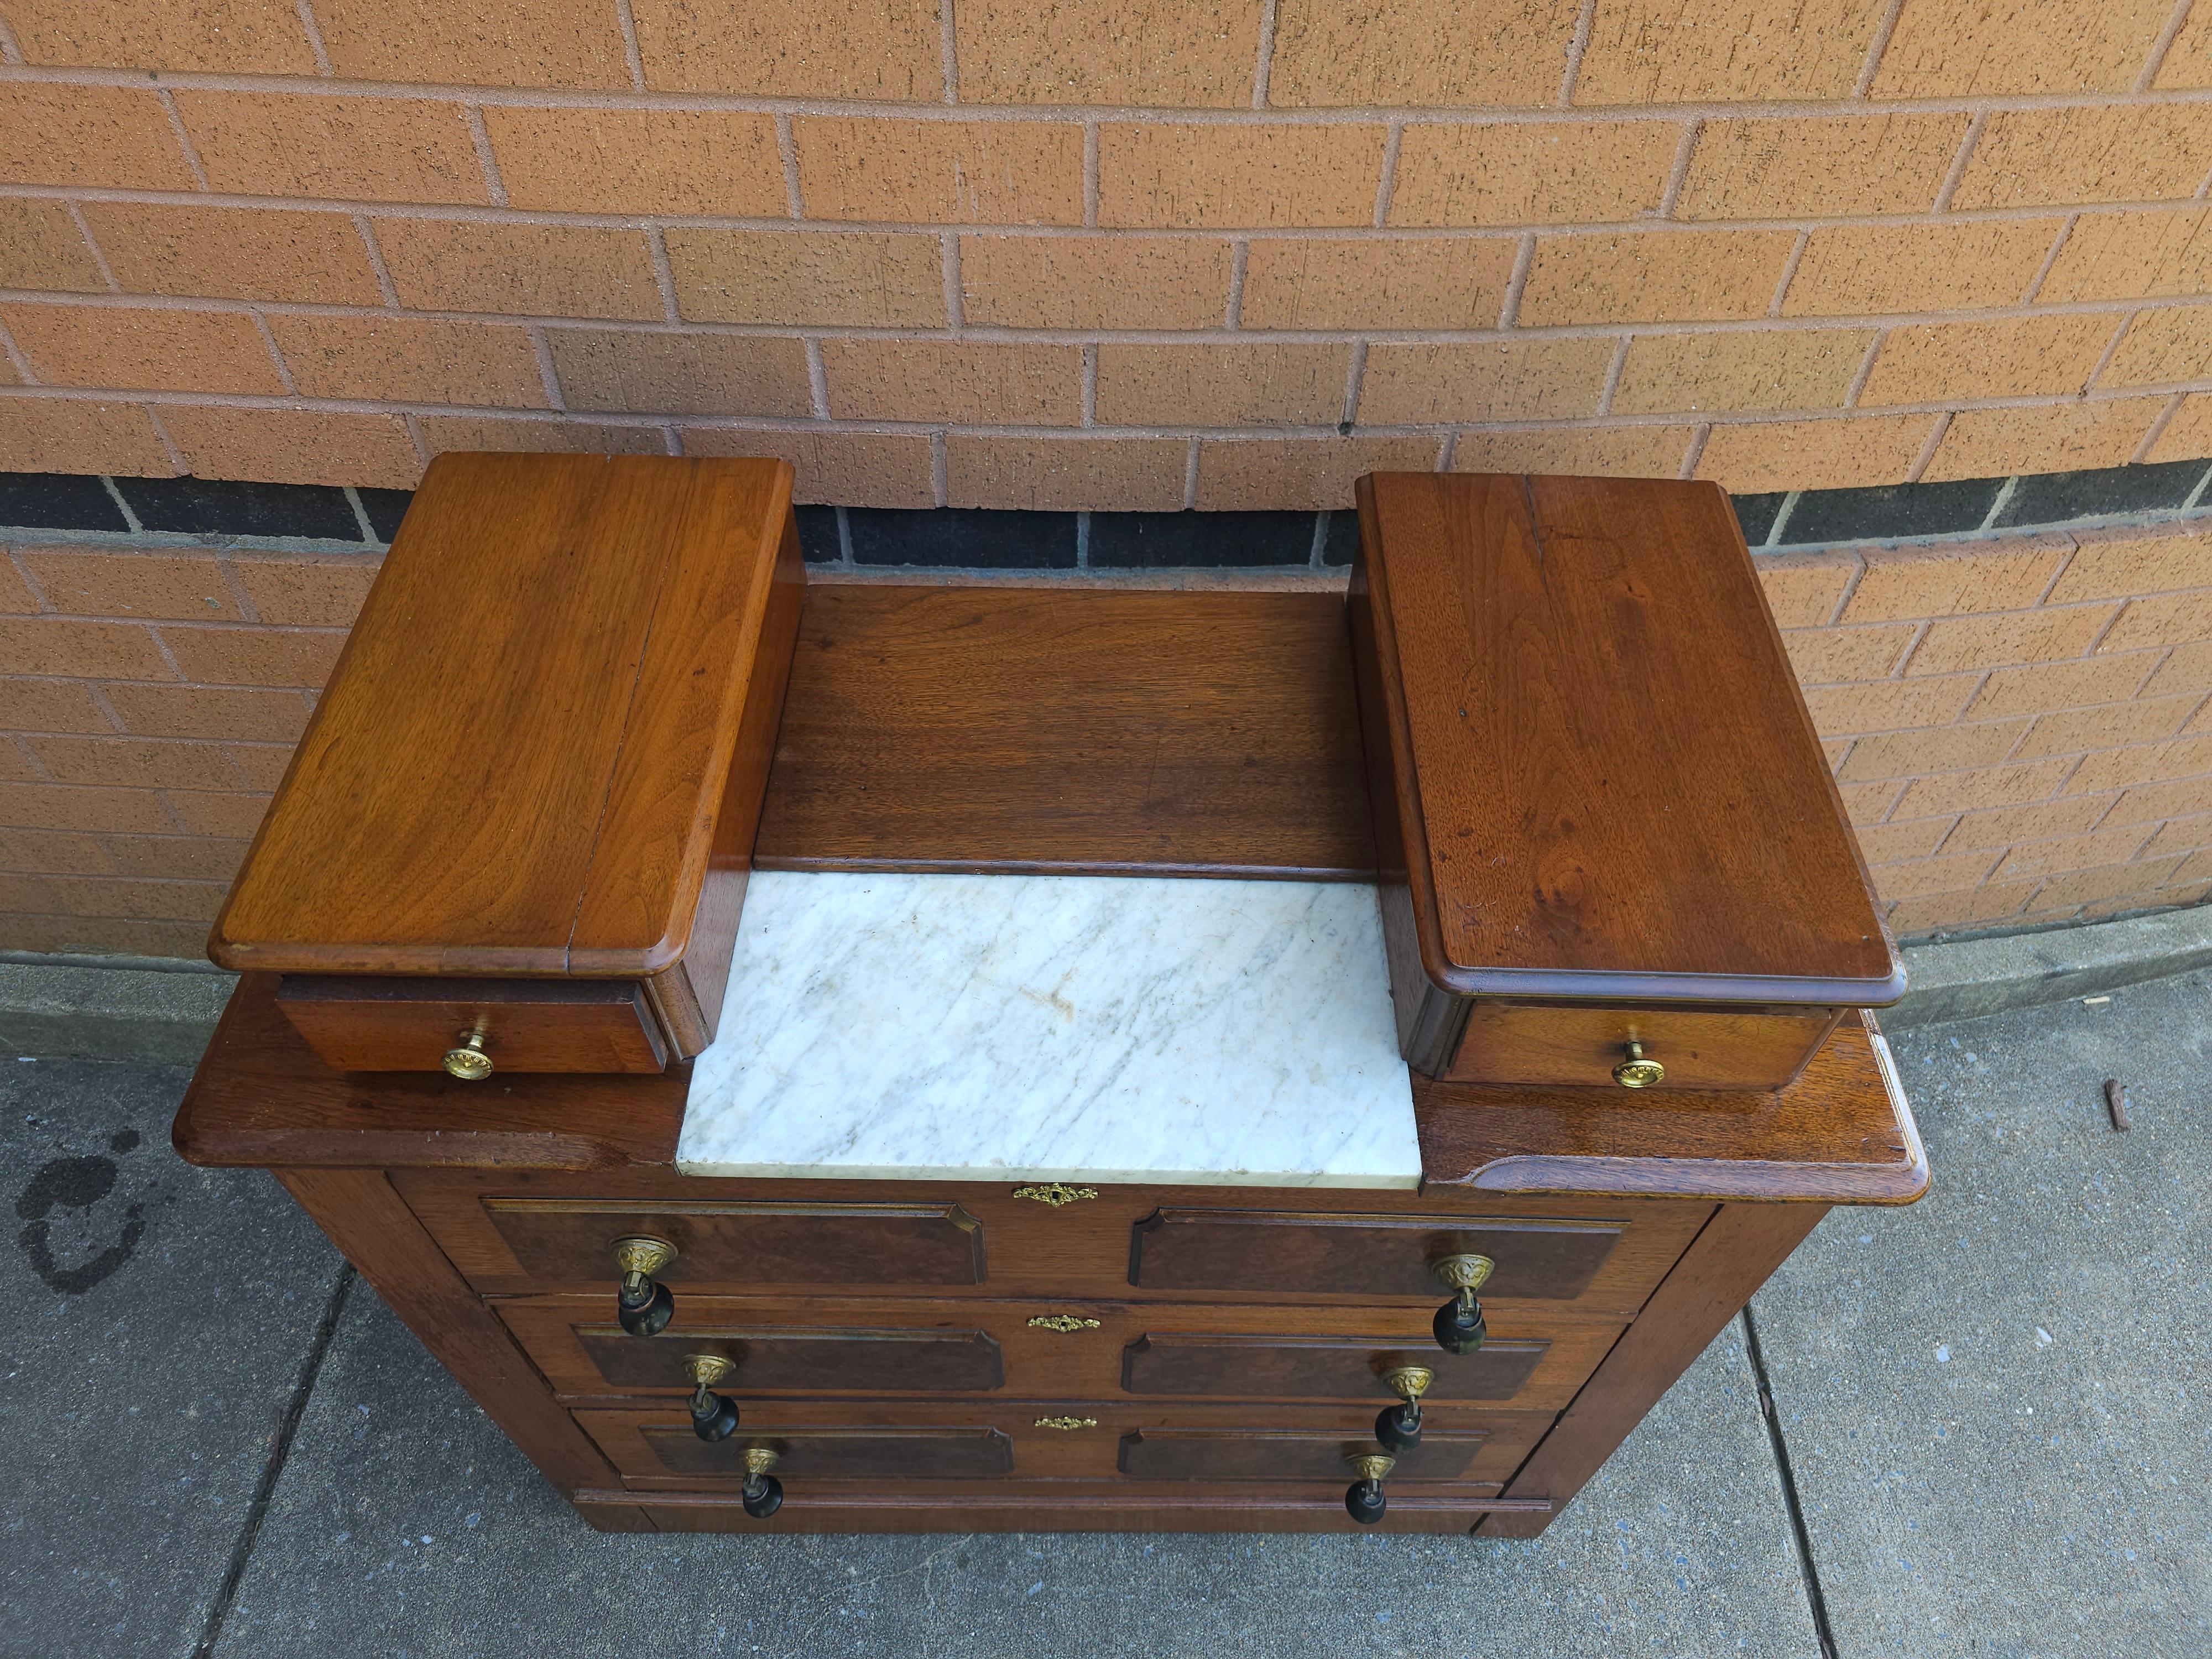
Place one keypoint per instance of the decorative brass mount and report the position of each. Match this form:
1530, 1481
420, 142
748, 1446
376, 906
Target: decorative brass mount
707, 1369
1067, 1423
1055, 1193
1370, 1466
759, 1460
1464, 1273
643, 1256
1409, 1382
1064, 1323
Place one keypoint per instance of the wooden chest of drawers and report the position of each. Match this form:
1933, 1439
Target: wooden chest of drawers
1035, 1354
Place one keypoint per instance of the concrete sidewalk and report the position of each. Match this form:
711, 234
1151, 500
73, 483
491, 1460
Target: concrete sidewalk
1988, 1436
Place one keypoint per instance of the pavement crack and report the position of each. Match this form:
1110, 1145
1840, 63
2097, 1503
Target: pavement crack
1815, 1597
266, 1489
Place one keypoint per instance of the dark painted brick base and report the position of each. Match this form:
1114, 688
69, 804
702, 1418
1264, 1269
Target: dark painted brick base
974, 539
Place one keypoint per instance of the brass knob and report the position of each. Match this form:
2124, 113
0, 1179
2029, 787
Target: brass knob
1637, 1072
469, 1062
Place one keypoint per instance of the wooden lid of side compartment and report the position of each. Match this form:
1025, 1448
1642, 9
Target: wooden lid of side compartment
1605, 780
519, 764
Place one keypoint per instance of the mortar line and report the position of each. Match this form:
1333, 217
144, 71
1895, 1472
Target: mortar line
786, 145
1576, 49
2104, 357
956, 298
1928, 446
1866, 368
1087, 407
1960, 159
948, 50
1240, 263
275, 357
2050, 259
671, 439
2159, 47
664, 274
1320, 541
130, 518
1781, 519
1788, 273
1352, 385
817, 379
1083, 540
844, 539
627, 21
484, 213
1263, 70
1679, 174
318, 1350
1523, 257
1696, 451
547, 374
1388, 181
1612, 376
416, 434
1839, 322
1448, 451
384, 285
360, 516
1190, 477
175, 451
315, 39
92, 246
184, 139
2197, 494
2003, 499
1808, 1570
2158, 429
1091, 175
940, 470
13, 353
1875, 48
535, 97
11, 53
480, 135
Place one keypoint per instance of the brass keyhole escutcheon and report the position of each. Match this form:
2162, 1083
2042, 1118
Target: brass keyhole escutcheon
1056, 1193
468, 1061
1065, 1324
1638, 1071
1066, 1424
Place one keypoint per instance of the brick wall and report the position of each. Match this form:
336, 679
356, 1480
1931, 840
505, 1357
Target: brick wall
1128, 255
2021, 724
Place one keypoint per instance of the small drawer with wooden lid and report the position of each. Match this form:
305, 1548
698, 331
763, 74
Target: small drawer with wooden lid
516, 833
1611, 852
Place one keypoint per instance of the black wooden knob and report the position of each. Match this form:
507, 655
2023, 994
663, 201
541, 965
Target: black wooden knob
714, 1416
1459, 1325
1363, 1499
642, 1304
763, 1492
1399, 1427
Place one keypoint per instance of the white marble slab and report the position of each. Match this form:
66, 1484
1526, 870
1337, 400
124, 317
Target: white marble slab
1068, 1028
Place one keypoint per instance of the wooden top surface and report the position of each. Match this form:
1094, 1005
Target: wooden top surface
1608, 781
1842, 1134
1070, 731
517, 766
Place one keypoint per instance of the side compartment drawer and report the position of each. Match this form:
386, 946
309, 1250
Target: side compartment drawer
370, 1024
1574, 1043
747, 1243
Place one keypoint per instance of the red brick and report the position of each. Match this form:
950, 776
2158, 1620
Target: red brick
52, 852
1931, 748
207, 711
411, 360
176, 858
233, 815
49, 706
2028, 859
51, 434
2001, 826
643, 373
1997, 786
1837, 656
135, 763
1954, 643
306, 590
254, 656
89, 650
133, 583
261, 764
105, 936
65, 806
99, 137
294, 446
1937, 875
126, 347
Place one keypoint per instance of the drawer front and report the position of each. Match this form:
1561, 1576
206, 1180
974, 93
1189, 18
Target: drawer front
1252, 1453
1508, 1041
982, 1444
393, 1024
1378, 1255
765, 1244
881, 1347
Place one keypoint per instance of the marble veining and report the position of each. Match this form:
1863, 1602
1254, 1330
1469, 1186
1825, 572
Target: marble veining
1072, 1028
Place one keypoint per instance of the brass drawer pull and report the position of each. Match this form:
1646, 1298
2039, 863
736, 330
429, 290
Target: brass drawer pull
1638, 1071
468, 1061
762, 1492
1363, 1499
642, 1305
714, 1416
1398, 1428
1459, 1324
1055, 1194
1065, 1423
1065, 1324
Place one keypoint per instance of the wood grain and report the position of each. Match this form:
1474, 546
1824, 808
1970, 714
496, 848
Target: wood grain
519, 761
1507, 1040
396, 1023
1842, 1133
1060, 1506
1605, 779
1070, 731
1739, 1250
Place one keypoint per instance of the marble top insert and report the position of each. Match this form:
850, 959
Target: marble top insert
1073, 1028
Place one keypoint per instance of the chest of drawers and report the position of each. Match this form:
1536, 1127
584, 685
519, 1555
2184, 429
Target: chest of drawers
1018, 1350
